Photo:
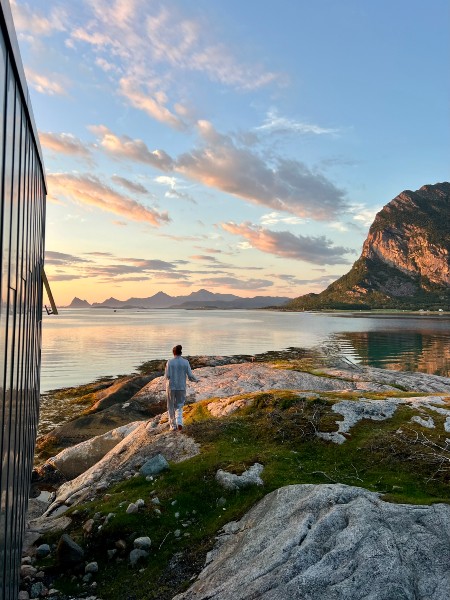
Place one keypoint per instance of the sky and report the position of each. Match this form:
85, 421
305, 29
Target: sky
239, 146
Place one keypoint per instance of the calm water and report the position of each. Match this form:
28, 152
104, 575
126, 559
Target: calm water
80, 345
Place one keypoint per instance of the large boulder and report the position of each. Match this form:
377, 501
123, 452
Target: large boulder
335, 542
73, 461
143, 443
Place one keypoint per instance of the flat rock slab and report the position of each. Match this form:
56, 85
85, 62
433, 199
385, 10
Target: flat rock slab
329, 542
231, 380
407, 381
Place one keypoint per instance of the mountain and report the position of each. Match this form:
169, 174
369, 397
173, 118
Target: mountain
195, 300
404, 261
77, 303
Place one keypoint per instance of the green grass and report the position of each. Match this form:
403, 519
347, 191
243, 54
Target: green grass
279, 431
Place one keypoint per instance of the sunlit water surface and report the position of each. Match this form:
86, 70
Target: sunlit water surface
80, 345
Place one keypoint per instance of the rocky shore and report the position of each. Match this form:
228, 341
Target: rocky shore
294, 477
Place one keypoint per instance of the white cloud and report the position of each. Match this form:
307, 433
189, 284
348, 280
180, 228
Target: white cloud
274, 217
274, 123
124, 147
46, 84
363, 215
283, 185
280, 184
28, 21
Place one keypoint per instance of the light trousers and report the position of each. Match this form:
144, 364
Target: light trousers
175, 403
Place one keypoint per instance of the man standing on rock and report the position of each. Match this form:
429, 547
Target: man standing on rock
177, 369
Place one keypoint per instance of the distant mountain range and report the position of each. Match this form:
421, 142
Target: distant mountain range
405, 260
196, 300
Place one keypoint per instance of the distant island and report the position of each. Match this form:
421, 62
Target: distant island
404, 262
202, 299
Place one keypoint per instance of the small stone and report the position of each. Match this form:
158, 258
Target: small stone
53, 592
23, 595
109, 517
157, 511
221, 501
43, 550
142, 543
98, 516
136, 474
140, 503
26, 560
91, 567
68, 552
87, 578
154, 465
149, 478
40, 575
177, 515
155, 500
177, 533
173, 502
132, 508
88, 526
112, 553
121, 545
126, 474
136, 555
37, 589
27, 571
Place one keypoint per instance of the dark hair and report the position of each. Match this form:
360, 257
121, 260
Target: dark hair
177, 350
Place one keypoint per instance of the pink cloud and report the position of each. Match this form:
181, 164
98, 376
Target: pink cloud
89, 190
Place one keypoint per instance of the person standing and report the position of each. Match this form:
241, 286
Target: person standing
177, 369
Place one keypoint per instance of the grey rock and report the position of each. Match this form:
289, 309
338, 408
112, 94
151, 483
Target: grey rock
87, 578
91, 567
68, 552
177, 533
37, 589
132, 508
334, 542
43, 550
121, 545
112, 553
142, 543
140, 503
26, 560
155, 500
154, 466
428, 423
88, 526
27, 571
23, 595
230, 481
136, 555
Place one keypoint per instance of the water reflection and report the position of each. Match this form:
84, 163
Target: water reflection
398, 350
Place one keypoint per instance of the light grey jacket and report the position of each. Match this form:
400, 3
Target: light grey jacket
177, 369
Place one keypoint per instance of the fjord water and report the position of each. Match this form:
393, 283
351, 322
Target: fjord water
80, 345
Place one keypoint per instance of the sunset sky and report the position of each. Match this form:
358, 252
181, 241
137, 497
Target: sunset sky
239, 146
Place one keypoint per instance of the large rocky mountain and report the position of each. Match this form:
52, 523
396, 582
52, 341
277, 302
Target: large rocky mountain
404, 261
199, 299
